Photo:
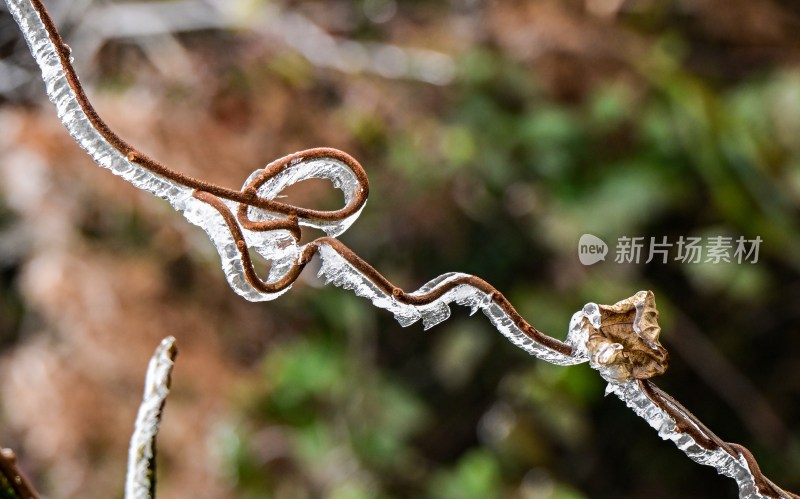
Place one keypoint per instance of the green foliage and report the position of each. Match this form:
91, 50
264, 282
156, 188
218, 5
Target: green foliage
342, 421
6, 491
476, 475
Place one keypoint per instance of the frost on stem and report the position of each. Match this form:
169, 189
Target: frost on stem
620, 341
140, 481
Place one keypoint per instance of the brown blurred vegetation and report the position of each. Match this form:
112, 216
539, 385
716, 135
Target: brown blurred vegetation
612, 117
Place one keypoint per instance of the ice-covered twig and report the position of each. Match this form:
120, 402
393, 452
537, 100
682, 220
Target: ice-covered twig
674, 422
622, 344
140, 482
620, 340
13, 483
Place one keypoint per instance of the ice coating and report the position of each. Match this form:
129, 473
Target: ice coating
339, 174
725, 463
280, 248
277, 246
336, 270
76, 121
140, 479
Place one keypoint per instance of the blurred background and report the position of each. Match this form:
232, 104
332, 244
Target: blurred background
495, 134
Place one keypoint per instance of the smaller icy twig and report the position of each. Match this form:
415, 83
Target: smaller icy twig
13, 484
141, 477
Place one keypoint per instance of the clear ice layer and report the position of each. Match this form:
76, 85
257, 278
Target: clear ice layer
726, 464
338, 271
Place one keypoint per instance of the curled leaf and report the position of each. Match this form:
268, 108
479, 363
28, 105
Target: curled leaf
625, 345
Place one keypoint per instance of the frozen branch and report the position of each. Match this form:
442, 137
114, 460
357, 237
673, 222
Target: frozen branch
140, 482
620, 340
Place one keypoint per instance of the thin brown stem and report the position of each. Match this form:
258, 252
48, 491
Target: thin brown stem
12, 478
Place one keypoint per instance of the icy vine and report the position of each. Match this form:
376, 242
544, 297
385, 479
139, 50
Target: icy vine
620, 340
